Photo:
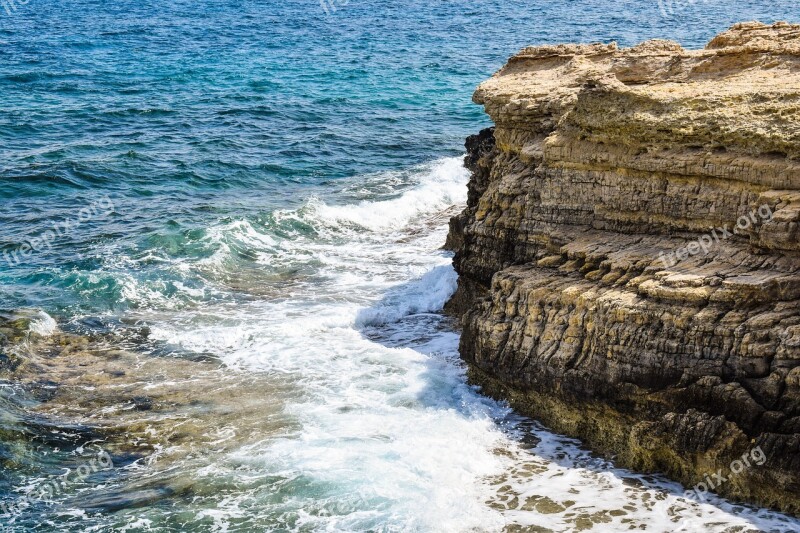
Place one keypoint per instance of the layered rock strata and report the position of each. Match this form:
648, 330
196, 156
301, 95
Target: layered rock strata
629, 259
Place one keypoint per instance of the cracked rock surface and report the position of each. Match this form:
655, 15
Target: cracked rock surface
629, 258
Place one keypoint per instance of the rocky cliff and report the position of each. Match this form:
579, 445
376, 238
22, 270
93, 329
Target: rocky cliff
629, 259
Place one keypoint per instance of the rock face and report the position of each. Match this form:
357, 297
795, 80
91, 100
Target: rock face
629, 259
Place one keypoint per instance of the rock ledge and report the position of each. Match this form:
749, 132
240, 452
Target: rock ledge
629, 259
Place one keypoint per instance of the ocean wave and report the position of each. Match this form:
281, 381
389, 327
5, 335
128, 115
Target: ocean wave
297, 238
427, 294
440, 185
43, 325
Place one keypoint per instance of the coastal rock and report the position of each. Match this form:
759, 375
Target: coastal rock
116, 392
629, 258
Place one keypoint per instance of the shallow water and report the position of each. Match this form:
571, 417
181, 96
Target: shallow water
248, 321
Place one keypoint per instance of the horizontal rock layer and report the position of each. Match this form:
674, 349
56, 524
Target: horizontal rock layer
629, 258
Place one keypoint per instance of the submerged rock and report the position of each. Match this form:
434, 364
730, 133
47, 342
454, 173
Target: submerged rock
629, 259
68, 398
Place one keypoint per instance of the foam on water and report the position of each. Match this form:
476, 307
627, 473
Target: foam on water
43, 324
392, 438
441, 187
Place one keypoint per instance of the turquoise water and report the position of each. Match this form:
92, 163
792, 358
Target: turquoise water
202, 111
249, 199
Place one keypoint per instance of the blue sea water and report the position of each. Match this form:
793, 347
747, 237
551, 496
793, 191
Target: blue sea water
185, 113
267, 185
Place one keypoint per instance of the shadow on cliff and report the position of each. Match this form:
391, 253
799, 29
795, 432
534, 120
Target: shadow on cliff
410, 317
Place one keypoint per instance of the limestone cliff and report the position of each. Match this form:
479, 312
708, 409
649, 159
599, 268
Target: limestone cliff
629, 259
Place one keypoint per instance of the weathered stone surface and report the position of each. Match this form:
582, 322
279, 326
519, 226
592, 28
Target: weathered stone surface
629, 258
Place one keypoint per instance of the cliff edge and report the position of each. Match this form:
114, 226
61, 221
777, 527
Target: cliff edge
629, 258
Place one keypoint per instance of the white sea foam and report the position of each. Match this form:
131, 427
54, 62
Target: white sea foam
440, 187
43, 325
391, 437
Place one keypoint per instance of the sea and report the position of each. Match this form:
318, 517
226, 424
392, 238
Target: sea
221, 230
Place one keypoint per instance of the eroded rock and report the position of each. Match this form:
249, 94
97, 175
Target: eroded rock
629, 258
